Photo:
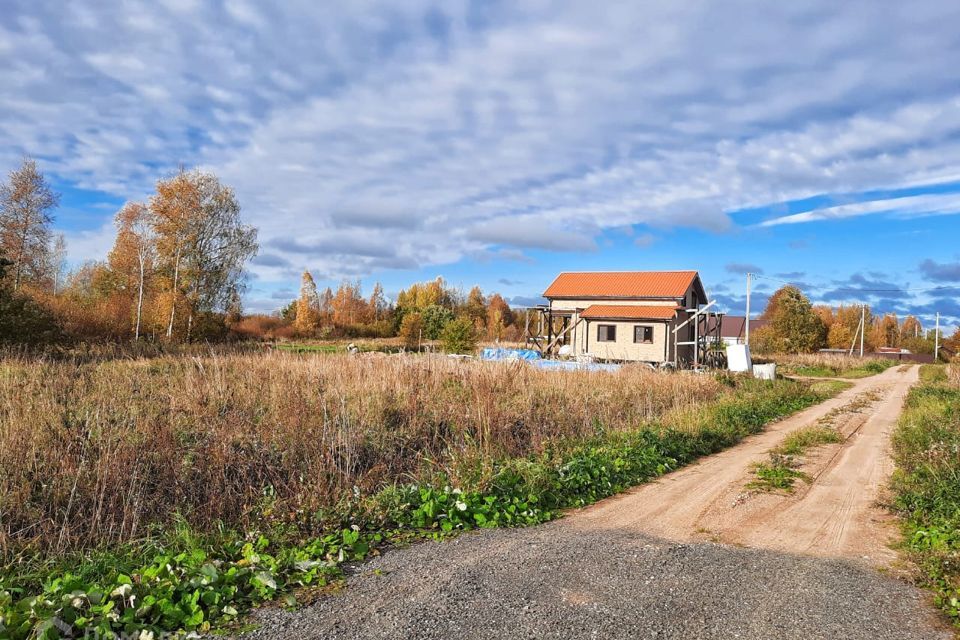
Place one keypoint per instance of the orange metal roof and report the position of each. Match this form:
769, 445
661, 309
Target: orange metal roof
628, 312
621, 284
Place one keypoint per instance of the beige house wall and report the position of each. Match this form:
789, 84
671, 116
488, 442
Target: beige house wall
661, 350
624, 348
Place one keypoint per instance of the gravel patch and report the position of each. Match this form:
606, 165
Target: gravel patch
554, 581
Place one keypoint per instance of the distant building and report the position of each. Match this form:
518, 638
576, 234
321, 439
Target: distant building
624, 315
733, 329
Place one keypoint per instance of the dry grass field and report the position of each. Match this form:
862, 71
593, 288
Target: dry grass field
100, 451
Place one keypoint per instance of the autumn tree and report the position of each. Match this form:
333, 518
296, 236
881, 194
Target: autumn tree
26, 205
411, 330
133, 255
58, 262
499, 316
911, 327
794, 326
826, 314
886, 331
378, 303
475, 308
839, 336
348, 304
308, 306
202, 244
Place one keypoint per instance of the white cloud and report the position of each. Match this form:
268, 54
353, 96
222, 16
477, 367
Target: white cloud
904, 206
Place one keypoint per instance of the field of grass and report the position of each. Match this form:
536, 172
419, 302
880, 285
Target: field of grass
174, 492
927, 480
832, 366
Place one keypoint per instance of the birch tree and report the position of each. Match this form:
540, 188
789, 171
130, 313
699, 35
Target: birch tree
201, 243
58, 262
134, 253
26, 205
308, 305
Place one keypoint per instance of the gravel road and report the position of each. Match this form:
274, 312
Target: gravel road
554, 581
643, 565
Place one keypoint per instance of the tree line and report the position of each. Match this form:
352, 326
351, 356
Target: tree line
792, 324
424, 312
175, 271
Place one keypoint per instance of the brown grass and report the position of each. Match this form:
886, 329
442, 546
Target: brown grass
953, 372
97, 452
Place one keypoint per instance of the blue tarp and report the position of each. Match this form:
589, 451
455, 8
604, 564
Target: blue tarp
567, 365
534, 358
499, 353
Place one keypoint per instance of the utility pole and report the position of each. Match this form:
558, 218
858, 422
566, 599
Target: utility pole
863, 325
746, 322
936, 340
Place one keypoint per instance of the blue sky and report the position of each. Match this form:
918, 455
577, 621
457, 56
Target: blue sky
497, 143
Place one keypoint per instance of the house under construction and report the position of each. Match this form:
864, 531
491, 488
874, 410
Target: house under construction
658, 317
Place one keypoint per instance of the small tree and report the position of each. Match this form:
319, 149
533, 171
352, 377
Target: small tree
435, 318
26, 203
459, 336
411, 330
308, 306
794, 326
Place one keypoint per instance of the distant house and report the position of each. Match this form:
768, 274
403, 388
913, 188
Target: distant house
733, 329
624, 315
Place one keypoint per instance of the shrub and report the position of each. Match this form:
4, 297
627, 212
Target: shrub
24, 322
459, 336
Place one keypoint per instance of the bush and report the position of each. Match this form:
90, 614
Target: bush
24, 322
459, 336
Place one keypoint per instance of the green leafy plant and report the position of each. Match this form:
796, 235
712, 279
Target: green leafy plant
927, 484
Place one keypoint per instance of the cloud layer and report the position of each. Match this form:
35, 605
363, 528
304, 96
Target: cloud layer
366, 136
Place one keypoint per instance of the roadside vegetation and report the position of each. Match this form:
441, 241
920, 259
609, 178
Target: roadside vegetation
832, 366
174, 493
926, 484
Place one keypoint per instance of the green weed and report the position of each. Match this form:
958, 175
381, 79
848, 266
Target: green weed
926, 484
800, 440
777, 474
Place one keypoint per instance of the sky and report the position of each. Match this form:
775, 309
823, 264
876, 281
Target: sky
498, 143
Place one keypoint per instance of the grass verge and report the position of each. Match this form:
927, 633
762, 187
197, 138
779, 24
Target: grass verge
183, 581
926, 483
865, 370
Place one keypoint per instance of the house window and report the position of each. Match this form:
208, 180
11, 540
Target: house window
643, 334
606, 333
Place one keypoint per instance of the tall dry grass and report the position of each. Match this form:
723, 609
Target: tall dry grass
953, 372
97, 452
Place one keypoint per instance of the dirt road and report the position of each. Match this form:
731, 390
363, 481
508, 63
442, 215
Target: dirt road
836, 515
647, 564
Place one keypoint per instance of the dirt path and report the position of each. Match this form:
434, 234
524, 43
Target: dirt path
834, 516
